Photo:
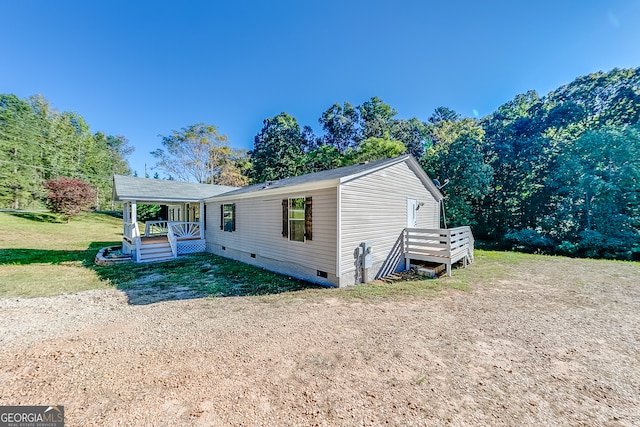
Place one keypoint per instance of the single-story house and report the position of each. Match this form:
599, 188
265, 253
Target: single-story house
337, 227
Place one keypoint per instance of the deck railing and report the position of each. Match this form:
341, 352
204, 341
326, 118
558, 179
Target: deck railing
131, 231
172, 241
156, 228
181, 230
446, 246
186, 230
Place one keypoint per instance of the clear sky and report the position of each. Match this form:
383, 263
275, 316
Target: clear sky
143, 68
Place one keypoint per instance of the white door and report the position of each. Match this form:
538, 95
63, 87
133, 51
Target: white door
174, 213
412, 213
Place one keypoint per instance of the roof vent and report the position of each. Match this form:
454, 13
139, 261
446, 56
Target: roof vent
268, 184
363, 163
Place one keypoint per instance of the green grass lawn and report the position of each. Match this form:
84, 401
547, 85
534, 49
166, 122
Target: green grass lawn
41, 256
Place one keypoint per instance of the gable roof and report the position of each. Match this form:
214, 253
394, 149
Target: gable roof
157, 190
333, 177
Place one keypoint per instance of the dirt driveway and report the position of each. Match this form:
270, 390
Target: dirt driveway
528, 349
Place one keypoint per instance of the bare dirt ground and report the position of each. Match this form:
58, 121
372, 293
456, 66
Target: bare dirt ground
525, 349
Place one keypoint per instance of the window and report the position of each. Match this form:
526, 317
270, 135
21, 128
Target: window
228, 217
193, 213
296, 219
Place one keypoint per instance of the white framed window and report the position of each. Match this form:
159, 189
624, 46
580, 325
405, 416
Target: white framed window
228, 217
296, 219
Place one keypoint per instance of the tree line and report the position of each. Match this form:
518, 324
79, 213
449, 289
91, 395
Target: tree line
39, 143
558, 173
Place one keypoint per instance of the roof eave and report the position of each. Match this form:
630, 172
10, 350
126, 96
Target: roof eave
156, 200
274, 191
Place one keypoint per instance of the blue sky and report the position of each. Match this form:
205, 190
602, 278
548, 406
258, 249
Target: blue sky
141, 69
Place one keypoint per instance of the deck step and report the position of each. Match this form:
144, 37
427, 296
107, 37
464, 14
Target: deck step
153, 252
391, 278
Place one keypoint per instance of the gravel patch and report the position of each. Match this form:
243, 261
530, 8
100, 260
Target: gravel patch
516, 352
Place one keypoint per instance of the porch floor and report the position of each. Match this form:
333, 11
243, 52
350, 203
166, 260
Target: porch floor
153, 239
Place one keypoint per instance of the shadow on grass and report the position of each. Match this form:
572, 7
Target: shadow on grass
45, 256
195, 276
40, 217
187, 277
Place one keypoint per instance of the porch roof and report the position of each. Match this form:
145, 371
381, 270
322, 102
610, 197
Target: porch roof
157, 190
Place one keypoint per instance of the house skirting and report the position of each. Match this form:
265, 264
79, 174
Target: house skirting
278, 266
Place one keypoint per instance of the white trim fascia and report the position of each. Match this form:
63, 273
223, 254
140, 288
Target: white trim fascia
158, 201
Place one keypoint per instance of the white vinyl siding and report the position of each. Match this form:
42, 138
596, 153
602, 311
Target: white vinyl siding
259, 230
374, 208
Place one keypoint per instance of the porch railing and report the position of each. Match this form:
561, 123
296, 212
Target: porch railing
172, 241
186, 230
131, 231
180, 230
156, 228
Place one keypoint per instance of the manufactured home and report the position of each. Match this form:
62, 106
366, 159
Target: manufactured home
337, 227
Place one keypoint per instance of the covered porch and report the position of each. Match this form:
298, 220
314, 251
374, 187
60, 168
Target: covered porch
180, 228
182, 233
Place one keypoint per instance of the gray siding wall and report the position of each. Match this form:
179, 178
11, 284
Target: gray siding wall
374, 208
259, 232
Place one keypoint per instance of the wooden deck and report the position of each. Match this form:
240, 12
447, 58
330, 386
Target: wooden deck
442, 246
153, 240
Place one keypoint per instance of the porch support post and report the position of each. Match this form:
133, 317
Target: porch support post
201, 219
134, 212
125, 217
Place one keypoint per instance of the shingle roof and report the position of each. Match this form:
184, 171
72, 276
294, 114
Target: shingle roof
336, 175
157, 190
327, 175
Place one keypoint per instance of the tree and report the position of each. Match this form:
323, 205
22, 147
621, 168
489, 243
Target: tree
376, 149
69, 196
595, 194
38, 143
412, 133
279, 149
375, 118
324, 157
443, 114
340, 126
193, 154
233, 169
20, 162
458, 158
